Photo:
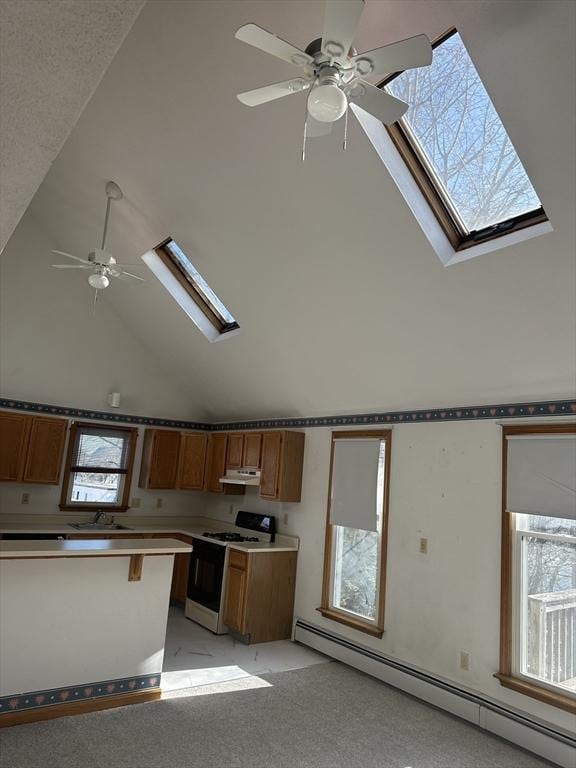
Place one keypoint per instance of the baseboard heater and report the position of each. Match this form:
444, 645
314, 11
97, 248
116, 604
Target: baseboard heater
521, 729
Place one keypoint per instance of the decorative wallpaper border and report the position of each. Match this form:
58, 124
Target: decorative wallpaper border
51, 696
539, 409
79, 413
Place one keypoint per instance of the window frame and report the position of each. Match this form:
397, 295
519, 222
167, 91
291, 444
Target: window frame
510, 612
76, 428
418, 166
376, 627
189, 285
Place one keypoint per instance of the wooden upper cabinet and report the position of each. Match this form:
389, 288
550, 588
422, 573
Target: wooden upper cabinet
192, 460
271, 448
14, 431
160, 459
31, 448
235, 450
45, 449
252, 450
215, 462
282, 465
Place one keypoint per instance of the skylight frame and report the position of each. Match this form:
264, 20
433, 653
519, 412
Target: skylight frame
196, 287
436, 195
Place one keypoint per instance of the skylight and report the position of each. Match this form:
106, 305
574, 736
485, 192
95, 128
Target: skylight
458, 150
187, 286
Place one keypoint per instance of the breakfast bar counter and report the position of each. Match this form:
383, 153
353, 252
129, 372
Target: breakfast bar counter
83, 624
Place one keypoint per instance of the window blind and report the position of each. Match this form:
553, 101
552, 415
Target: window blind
101, 447
354, 493
541, 477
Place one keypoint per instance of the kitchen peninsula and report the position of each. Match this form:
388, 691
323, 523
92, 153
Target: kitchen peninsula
108, 598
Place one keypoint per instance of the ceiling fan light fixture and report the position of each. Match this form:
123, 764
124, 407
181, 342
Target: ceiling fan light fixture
98, 281
327, 103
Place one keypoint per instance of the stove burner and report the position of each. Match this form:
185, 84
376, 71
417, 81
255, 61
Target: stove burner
228, 536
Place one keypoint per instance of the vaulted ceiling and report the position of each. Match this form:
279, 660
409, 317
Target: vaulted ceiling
342, 303
52, 56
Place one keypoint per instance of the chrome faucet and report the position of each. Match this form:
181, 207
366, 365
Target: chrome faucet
100, 516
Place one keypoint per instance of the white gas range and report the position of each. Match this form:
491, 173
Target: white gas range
209, 564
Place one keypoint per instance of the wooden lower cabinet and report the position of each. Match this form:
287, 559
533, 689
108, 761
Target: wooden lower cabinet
259, 601
179, 587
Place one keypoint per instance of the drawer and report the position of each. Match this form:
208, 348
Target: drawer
238, 559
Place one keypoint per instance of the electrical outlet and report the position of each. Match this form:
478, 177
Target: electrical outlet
285, 518
464, 661
135, 502
231, 509
424, 546
25, 498
159, 503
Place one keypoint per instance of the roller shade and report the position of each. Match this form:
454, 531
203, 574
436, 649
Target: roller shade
542, 475
354, 492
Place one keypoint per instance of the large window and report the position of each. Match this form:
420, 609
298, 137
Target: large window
458, 150
538, 641
98, 467
356, 526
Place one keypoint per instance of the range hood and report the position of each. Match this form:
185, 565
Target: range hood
241, 477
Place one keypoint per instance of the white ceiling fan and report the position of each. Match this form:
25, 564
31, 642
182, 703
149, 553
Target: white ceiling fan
333, 70
100, 262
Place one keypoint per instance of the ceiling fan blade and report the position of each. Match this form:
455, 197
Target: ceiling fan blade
275, 46
341, 19
71, 266
314, 128
377, 102
69, 256
127, 276
271, 92
396, 57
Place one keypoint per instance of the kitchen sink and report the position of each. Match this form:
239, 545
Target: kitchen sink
99, 527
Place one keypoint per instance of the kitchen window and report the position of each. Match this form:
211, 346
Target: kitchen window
353, 590
458, 151
98, 467
175, 270
538, 632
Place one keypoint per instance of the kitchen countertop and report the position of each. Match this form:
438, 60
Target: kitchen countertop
11, 550
284, 545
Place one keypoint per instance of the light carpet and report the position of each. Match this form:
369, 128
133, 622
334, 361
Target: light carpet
325, 716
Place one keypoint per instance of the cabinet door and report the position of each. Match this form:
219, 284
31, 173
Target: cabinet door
216, 462
45, 448
271, 448
235, 450
235, 608
163, 470
14, 431
179, 588
192, 461
252, 449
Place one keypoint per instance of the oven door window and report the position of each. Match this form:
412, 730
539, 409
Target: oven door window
206, 574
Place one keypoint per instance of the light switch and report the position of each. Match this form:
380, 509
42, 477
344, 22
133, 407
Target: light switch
424, 546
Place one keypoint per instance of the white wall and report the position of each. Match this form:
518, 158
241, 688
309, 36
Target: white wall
55, 350
445, 485
121, 633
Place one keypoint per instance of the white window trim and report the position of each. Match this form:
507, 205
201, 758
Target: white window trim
425, 216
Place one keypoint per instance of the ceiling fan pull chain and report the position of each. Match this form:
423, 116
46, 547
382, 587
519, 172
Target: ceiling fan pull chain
345, 143
305, 135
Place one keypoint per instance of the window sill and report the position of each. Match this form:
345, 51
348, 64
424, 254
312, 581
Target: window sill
92, 508
349, 621
560, 700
